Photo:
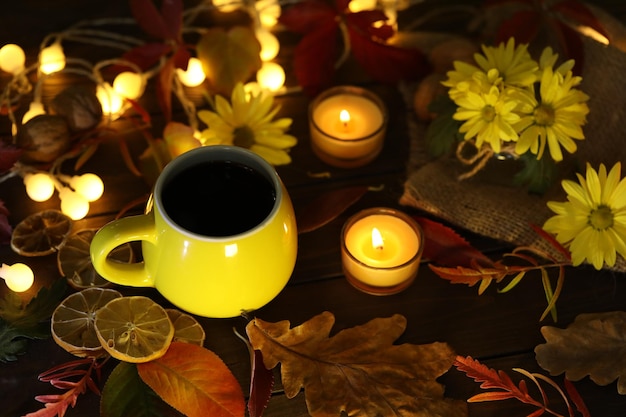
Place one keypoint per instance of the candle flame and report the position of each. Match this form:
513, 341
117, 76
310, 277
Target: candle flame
377, 239
344, 117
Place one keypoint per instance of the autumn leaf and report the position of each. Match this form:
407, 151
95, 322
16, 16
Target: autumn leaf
194, 381
499, 386
358, 370
328, 206
229, 56
592, 345
261, 385
446, 248
125, 394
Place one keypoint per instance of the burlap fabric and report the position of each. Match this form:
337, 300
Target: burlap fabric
483, 204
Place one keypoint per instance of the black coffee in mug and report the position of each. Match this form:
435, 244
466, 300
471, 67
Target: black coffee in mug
218, 198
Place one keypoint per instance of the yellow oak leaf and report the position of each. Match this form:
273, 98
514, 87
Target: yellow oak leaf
358, 370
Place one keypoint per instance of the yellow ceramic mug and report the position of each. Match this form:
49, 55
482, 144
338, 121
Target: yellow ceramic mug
218, 237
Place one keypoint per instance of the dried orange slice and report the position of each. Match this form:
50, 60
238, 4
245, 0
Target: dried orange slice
74, 260
72, 323
186, 327
134, 329
41, 233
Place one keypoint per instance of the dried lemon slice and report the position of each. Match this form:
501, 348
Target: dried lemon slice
41, 233
74, 260
186, 328
72, 323
134, 329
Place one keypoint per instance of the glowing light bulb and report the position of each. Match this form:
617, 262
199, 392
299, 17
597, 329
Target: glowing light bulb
129, 84
361, 5
18, 277
194, 76
110, 100
90, 186
52, 59
34, 109
12, 58
39, 186
73, 204
251, 89
269, 44
271, 76
269, 12
227, 5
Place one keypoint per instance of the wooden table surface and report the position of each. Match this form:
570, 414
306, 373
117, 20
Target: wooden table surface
501, 330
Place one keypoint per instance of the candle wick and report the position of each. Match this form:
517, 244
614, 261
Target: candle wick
379, 247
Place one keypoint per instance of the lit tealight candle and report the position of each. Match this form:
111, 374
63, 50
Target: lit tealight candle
347, 126
381, 249
18, 277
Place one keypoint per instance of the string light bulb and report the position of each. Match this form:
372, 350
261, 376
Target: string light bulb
269, 11
34, 109
52, 59
18, 277
73, 204
269, 44
129, 84
12, 58
194, 75
227, 5
109, 99
90, 186
39, 186
362, 5
271, 76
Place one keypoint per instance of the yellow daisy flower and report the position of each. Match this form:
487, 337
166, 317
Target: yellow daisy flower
556, 120
247, 122
488, 118
593, 220
513, 63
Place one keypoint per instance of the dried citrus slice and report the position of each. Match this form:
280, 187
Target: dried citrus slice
134, 329
74, 260
41, 233
186, 327
72, 322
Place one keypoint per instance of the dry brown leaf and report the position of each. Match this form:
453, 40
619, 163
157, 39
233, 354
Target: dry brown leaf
594, 345
358, 370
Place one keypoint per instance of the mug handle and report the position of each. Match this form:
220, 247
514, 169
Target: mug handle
114, 234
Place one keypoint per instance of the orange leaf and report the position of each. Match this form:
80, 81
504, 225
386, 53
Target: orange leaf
194, 381
358, 370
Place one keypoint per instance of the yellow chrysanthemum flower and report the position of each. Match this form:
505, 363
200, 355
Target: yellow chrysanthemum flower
593, 220
488, 118
247, 122
556, 120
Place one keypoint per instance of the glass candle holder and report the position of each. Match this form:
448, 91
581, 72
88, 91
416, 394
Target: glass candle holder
381, 249
347, 126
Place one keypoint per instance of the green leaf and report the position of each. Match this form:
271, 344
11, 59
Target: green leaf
125, 394
29, 318
195, 381
229, 57
11, 344
443, 132
537, 174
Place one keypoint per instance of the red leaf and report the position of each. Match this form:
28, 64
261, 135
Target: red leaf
314, 58
146, 56
164, 89
308, 16
260, 386
8, 156
459, 275
579, 13
387, 63
445, 247
523, 26
172, 12
149, 19
574, 395
327, 207
181, 58
550, 238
